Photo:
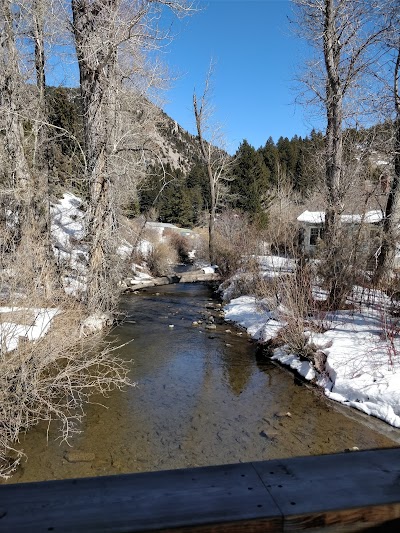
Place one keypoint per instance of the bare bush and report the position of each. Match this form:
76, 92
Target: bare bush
236, 242
290, 296
201, 244
51, 379
181, 245
161, 259
246, 281
47, 372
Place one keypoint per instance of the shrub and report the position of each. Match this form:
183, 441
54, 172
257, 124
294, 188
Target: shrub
52, 376
181, 245
52, 379
161, 259
235, 242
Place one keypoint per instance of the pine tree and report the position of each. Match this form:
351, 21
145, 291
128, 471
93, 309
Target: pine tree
270, 156
197, 178
251, 182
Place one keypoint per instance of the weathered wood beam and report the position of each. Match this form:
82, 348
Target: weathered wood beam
343, 492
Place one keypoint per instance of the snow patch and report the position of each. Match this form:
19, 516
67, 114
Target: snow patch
359, 372
11, 332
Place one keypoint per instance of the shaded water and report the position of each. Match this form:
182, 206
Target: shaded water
202, 397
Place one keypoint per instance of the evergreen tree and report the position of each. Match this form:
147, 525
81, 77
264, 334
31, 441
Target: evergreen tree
175, 205
197, 205
300, 182
270, 156
66, 137
250, 186
198, 179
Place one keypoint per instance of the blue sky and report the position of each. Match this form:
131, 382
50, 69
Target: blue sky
257, 57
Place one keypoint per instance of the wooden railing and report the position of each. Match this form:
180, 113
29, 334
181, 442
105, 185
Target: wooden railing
358, 491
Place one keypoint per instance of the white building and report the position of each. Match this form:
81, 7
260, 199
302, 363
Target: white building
313, 223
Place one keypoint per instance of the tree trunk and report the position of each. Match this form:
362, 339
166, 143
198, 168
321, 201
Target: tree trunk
39, 208
391, 219
334, 158
97, 56
18, 169
205, 156
213, 212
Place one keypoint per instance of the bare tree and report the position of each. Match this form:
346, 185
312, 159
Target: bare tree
25, 181
37, 12
214, 158
342, 33
109, 36
392, 209
11, 104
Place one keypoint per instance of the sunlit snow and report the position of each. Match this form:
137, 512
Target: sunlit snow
360, 370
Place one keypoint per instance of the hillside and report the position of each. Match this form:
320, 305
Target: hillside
144, 126
177, 146
161, 174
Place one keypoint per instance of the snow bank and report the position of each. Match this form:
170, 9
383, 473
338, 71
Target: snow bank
67, 230
67, 219
250, 315
125, 250
359, 372
304, 368
275, 264
145, 247
36, 324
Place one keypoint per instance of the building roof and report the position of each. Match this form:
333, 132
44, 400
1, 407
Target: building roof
161, 225
318, 217
312, 217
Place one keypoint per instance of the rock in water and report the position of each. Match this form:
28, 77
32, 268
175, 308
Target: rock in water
271, 435
75, 456
282, 414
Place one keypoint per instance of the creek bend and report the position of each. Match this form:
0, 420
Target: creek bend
203, 397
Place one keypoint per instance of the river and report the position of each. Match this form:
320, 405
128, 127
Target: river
202, 397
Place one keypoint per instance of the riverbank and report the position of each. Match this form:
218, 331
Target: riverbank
359, 349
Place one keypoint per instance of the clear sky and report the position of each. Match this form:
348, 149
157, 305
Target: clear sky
257, 56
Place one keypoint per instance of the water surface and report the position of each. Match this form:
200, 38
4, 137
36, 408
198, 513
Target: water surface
203, 397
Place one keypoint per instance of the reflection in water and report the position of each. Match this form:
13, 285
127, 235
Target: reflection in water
237, 366
201, 398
